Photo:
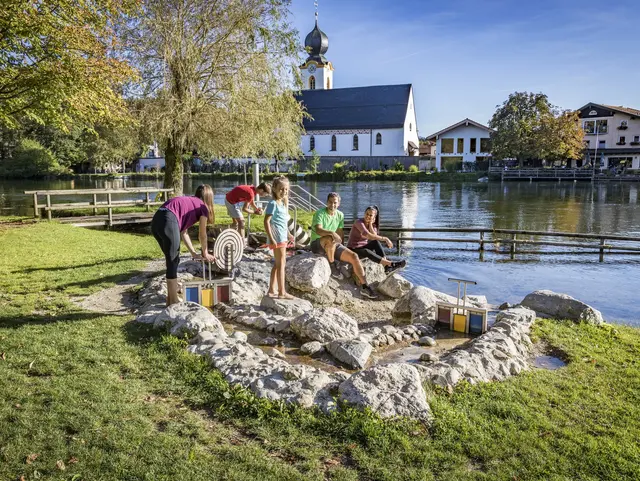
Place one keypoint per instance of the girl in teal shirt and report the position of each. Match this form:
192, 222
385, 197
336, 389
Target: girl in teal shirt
275, 224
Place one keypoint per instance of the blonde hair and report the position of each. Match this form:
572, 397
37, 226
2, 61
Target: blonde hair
277, 182
204, 192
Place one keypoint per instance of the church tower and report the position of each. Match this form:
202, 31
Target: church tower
317, 71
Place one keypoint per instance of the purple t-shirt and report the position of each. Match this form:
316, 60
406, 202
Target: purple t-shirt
358, 235
187, 209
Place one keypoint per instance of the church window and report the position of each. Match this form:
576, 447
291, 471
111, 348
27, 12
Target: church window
334, 143
355, 142
312, 83
378, 138
312, 143
410, 127
328, 83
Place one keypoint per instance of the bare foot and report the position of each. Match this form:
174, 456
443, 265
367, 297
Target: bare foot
286, 295
272, 295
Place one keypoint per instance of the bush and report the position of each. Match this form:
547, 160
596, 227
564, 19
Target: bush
413, 168
398, 166
340, 167
31, 159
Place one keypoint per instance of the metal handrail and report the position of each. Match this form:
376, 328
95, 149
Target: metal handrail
310, 200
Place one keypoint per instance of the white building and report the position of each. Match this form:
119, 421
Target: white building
612, 136
465, 145
376, 121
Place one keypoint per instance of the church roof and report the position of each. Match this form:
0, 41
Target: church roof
316, 44
375, 107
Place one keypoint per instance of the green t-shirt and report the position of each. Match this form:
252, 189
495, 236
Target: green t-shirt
326, 221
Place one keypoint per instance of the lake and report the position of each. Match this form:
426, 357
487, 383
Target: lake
570, 207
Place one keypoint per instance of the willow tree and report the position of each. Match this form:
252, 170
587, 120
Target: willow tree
56, 62
216, 77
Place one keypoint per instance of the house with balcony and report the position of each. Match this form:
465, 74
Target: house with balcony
465, 145
611, 136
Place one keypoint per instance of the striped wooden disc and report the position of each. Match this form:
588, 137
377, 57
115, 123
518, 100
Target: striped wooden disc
228, 241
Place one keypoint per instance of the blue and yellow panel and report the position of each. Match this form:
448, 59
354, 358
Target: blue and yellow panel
207, 297
477, 322
192, 294
459, 323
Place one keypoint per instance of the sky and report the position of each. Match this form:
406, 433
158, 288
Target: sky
464, 57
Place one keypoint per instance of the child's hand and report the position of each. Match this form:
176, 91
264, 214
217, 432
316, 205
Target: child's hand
291, 237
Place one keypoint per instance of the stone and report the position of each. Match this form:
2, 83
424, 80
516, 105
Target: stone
390, 390
504, 306
517, 314
307, 272
420, 304
247, 291
561, 306
273, 352
353, 353
187, 318
240, 336
373, 272
311, 348
428, 357
282, 327
427, 341
149, 314
394, 286
324, 325
286, 307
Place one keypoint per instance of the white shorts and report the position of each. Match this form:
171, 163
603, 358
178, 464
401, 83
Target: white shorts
234, 210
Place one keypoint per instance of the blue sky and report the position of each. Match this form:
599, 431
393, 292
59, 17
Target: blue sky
464, 57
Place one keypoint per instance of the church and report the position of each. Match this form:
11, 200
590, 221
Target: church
366, 122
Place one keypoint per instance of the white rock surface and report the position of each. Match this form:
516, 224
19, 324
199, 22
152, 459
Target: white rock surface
308, 272
187, 318
286, 307
390, 390
311, 348
373, 272
324, 325
353, 353
561, 306
395, 286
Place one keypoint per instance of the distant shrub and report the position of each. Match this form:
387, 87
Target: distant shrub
413, 168
31, 159
398, 166
340, 167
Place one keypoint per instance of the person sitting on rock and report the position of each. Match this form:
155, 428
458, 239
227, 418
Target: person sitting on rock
326, 238
275, 225
366, 242
244, 194
170, 223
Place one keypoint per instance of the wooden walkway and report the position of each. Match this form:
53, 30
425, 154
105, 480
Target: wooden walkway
131, 218
559, 175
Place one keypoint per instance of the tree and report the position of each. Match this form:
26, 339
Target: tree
215, 74
528, 127
55, 62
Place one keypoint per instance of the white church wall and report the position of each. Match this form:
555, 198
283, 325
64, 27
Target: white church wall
410, 130
392, 143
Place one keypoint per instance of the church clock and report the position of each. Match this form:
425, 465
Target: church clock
312, 68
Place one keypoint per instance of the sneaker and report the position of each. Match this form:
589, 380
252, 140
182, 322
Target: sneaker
366, 291
335, 272
395, 266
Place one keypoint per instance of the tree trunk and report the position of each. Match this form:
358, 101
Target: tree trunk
173, 169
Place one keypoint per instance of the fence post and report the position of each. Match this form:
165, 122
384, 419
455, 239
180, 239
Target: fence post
147, 201
109, 209
481, 240
602, 243
48, 207
95, 203
513, 246
36, 212
399, 242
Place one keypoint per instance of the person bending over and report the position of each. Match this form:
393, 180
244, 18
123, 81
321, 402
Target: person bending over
366, 242
326, 238
170, 223
245, 195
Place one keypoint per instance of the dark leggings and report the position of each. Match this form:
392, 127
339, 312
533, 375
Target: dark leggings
164, 227
373, 250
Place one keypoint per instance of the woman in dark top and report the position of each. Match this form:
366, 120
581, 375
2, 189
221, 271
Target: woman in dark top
170, 223
365, 240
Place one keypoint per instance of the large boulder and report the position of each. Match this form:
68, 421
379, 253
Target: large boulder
308, 272
325, 325
561, 306
373, 271
286, 307
187, 318
394, 286
390, 390
353, 353
420, 304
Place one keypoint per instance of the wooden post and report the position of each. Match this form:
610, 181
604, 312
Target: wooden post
147, 201
166, 196
481, 240
48, 207
36, 212
110, 209
602, 242
399, 243
513, 246
95, 203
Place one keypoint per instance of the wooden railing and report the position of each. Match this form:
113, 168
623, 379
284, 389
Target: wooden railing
109, 203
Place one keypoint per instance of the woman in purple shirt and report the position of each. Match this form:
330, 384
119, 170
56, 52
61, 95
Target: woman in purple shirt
364, 240
170, 223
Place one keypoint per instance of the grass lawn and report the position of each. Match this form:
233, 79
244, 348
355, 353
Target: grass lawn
90, 397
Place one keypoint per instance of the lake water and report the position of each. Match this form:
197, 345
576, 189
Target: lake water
580, 207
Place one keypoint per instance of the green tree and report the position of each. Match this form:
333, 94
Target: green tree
56, 65
527, 126
31, 159
214, 74
314, 162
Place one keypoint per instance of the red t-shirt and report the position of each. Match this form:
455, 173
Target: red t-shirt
242, 193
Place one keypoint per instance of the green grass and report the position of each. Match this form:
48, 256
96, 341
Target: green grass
113, 400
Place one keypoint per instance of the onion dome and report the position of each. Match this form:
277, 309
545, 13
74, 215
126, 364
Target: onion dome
316, 44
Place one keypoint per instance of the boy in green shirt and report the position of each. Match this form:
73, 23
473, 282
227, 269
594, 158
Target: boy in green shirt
326, 239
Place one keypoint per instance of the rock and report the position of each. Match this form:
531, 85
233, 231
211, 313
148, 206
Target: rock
286, 307
273, 352
324, 325
427, 341
428, 357
353, 353
307, 272
246, 291
373, 271
390, 390
394, 286
269, 341
187, 318
420, 304
517, 314
240, 336
388, 329
282, 327
504, 306
148, 315
311, 348
561, 306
